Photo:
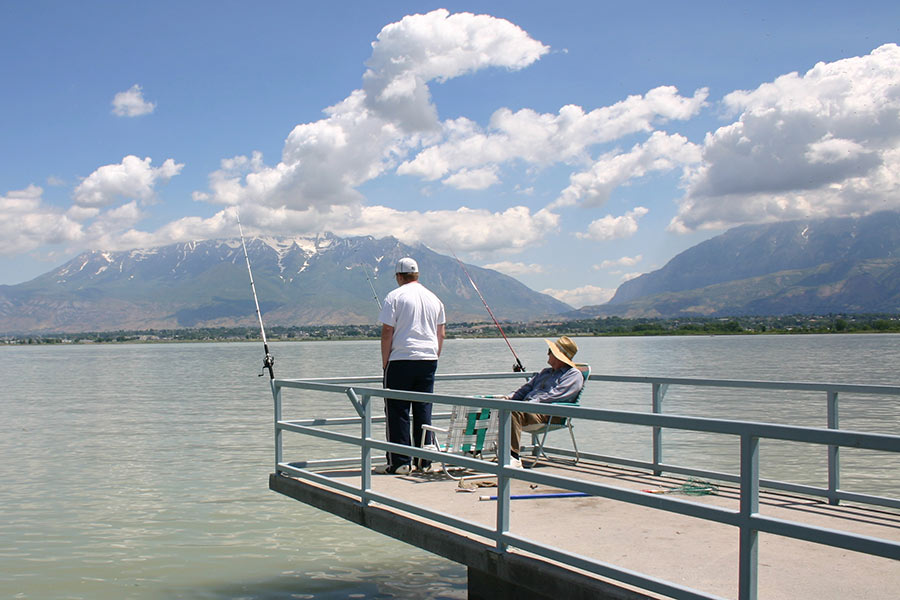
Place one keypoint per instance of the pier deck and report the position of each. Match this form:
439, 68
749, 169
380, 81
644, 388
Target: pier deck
680, 549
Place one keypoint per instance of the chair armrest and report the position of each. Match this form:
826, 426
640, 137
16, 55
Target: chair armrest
434, 429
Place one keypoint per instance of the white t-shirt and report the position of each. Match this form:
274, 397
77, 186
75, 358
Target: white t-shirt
414, 313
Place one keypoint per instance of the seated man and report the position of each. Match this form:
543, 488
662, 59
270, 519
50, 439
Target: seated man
561, 382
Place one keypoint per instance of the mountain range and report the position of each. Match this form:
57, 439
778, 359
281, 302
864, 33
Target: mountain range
323, 279
838, 265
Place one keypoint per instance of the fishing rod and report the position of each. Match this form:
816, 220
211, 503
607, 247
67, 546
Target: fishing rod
516, 367
371, 285
269, 360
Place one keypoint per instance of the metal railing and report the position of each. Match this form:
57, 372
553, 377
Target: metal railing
746, 518
831, 393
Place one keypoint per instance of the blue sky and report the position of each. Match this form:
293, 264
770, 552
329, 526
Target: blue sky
572, 145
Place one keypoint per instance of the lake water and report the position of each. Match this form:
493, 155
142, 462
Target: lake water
140, 471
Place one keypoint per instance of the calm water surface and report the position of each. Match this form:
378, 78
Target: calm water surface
140, 471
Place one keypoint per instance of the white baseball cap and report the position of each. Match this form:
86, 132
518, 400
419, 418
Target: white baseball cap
407, 265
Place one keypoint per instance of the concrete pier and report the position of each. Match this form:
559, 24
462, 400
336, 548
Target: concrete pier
682, 550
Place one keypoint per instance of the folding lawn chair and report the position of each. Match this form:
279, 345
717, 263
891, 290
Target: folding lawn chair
472, 431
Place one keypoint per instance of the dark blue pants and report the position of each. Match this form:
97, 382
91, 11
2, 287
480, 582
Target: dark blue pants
411, 376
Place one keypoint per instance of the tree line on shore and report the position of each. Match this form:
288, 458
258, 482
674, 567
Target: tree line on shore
607, 326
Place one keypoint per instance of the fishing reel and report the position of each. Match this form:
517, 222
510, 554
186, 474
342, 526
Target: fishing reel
268, 363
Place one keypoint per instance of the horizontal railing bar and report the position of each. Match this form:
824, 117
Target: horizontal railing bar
828, 537
320, 433
440, 517
325, 421
437, 377
320, 479
416, 452
889, 390
773, 484
786, 486
842, 437
603, 569
868, 499
432, 455
674, 505
648, 465
628, 462
458, 460
360, 379
792, 433
689, 381
350, 461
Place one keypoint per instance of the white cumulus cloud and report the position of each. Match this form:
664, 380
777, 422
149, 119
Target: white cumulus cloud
312, 186
370, 131
820, 144
515, 268
131, 103
588, 295
477, 232
473, 179
544, 138
625, 261
612, 228
133, 178
662, 152
28, 223
435, 47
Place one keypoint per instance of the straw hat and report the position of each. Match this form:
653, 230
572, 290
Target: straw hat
563, 349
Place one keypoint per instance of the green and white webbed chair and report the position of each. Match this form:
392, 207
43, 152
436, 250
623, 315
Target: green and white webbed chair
472, 432
539, 431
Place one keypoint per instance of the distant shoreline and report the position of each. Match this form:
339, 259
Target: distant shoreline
599, 327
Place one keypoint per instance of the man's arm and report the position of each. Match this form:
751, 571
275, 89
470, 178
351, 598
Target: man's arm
526, 387
387, 338
441, 330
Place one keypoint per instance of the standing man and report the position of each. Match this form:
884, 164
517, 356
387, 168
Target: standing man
412, 335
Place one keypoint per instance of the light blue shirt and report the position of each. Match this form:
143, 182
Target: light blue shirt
551, 386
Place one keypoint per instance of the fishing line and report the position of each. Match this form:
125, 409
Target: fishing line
516, 367
371, 285
269, 360
369, 279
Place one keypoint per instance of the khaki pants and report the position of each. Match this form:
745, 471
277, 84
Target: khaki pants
520, 420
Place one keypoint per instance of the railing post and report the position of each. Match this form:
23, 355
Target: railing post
502, 480
276, 395
366, 461
834, 452
749, 547
659, 392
